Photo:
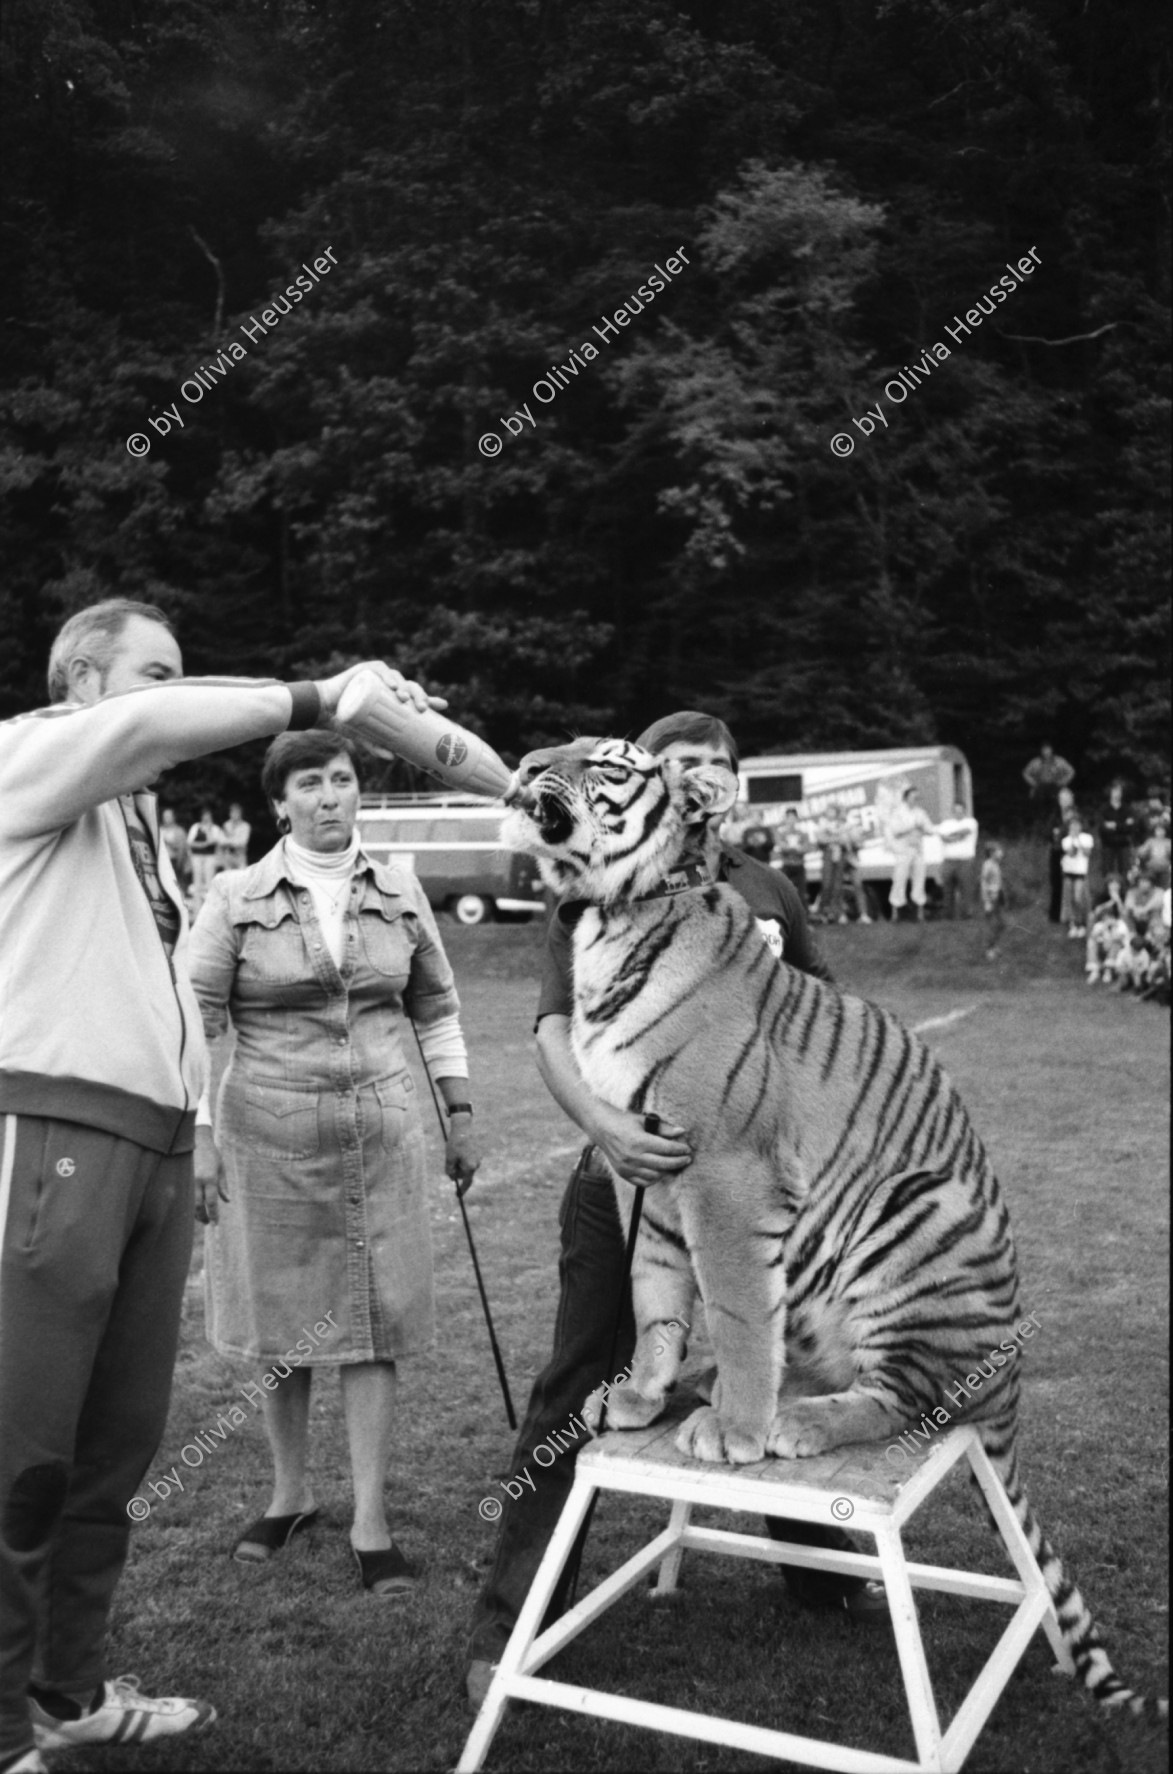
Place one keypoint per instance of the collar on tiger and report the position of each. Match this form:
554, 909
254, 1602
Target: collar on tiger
681, 878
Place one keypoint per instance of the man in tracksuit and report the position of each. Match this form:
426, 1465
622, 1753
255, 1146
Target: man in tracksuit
102, 1062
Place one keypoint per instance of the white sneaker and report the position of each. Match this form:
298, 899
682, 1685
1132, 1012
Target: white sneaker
29, 1763
125, 1716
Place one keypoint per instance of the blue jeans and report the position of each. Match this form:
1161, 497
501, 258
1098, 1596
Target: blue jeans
590, 1269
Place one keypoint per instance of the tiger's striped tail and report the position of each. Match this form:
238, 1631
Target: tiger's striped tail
1093, 1668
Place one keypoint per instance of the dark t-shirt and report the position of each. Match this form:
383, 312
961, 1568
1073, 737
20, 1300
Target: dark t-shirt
769, 895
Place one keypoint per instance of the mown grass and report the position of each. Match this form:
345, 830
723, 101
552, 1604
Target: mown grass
1068, 1087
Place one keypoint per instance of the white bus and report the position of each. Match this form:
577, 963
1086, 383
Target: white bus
867, 785
453, 843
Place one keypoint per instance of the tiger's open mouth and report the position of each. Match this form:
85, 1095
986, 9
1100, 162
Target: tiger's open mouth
552, 817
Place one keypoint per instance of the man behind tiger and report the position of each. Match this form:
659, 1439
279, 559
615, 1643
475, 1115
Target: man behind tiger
591, 1263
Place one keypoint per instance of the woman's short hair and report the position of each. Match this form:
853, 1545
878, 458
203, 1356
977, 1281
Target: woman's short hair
689, 727
307, 750
94, 633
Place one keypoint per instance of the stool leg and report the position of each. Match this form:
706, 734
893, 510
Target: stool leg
926, 1727
528, 1625
670, 1565
1018, 1547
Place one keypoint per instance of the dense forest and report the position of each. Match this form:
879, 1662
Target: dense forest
468, 191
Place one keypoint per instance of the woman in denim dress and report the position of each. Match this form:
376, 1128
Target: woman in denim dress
319, 1250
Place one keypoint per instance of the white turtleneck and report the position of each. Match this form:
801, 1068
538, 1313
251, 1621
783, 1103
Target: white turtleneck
327, 876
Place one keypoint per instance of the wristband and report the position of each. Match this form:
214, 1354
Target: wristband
458, 1109
307, 706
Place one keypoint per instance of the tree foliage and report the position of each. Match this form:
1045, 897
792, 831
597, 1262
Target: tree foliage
671, 527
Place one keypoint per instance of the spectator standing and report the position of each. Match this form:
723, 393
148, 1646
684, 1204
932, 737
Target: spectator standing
1077, 854
232, 850
203, 845
834, 840
1058, 832
1153, 855
993, 899
1119, 833
1044, 777
792, 849
756, 841
959, 838
101, 1060
175, 839
854, 890
906, 833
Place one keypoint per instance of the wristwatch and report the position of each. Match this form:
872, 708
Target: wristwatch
458, 1109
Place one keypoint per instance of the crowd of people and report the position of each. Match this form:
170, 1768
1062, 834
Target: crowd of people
1108, 873
837, 838
1109, 876
204, 850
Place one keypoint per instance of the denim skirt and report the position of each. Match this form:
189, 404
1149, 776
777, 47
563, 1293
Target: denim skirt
326, 1221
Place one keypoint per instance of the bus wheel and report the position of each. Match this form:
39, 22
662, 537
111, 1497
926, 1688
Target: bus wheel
470, 908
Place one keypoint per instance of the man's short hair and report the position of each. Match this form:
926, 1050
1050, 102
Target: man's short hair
689, 727
307, 750
94, 633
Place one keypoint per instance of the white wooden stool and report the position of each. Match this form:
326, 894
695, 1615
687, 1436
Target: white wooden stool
855, 1485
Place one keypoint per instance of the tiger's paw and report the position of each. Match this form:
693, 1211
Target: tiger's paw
706, 1436
627, 1409
798, 1434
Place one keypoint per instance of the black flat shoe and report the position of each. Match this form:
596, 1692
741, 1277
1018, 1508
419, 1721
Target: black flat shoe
387, 1575
864, 1601
270, 1534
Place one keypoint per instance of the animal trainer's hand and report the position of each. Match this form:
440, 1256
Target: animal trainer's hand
209, 1177
406, 689
636, 1155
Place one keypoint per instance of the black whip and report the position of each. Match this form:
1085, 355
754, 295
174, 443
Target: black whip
510, 1413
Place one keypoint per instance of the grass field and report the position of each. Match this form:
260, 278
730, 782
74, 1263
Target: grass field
1068, 1087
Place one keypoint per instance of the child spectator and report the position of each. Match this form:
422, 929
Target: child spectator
792, 849
1077, 850
1142, 905
1119, 832
1108, 935
1153, 855
835, 839
1134, 965
854, 890
1157, 987
993, 899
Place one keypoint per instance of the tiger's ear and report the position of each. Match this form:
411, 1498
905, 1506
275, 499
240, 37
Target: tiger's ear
703, 791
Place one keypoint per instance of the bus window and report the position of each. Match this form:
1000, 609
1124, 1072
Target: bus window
958, 784
761, 790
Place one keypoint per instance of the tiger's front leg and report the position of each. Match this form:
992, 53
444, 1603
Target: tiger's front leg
736, 1228
663, 1292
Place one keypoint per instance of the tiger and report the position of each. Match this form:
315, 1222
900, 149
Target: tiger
840, 1218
